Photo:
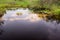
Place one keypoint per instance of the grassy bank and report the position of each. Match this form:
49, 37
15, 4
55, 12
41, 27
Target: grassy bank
38, 6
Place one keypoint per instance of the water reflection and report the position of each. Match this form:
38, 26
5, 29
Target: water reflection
1, 21
52, 18
1, 25
22, 23
26, 14
21, 15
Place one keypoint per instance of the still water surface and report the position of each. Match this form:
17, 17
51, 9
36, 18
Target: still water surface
26, 25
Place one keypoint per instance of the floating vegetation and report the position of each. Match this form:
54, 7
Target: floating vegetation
18, 13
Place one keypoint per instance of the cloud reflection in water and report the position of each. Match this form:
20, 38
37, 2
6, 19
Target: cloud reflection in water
26, 15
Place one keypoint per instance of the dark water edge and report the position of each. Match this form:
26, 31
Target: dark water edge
29, 33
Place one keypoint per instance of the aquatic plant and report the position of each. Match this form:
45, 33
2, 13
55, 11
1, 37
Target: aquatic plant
18, 14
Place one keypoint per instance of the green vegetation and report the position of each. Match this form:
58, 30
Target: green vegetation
18, 14
39, 6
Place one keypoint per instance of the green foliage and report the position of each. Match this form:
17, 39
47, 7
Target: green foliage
57, 11
36, 5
